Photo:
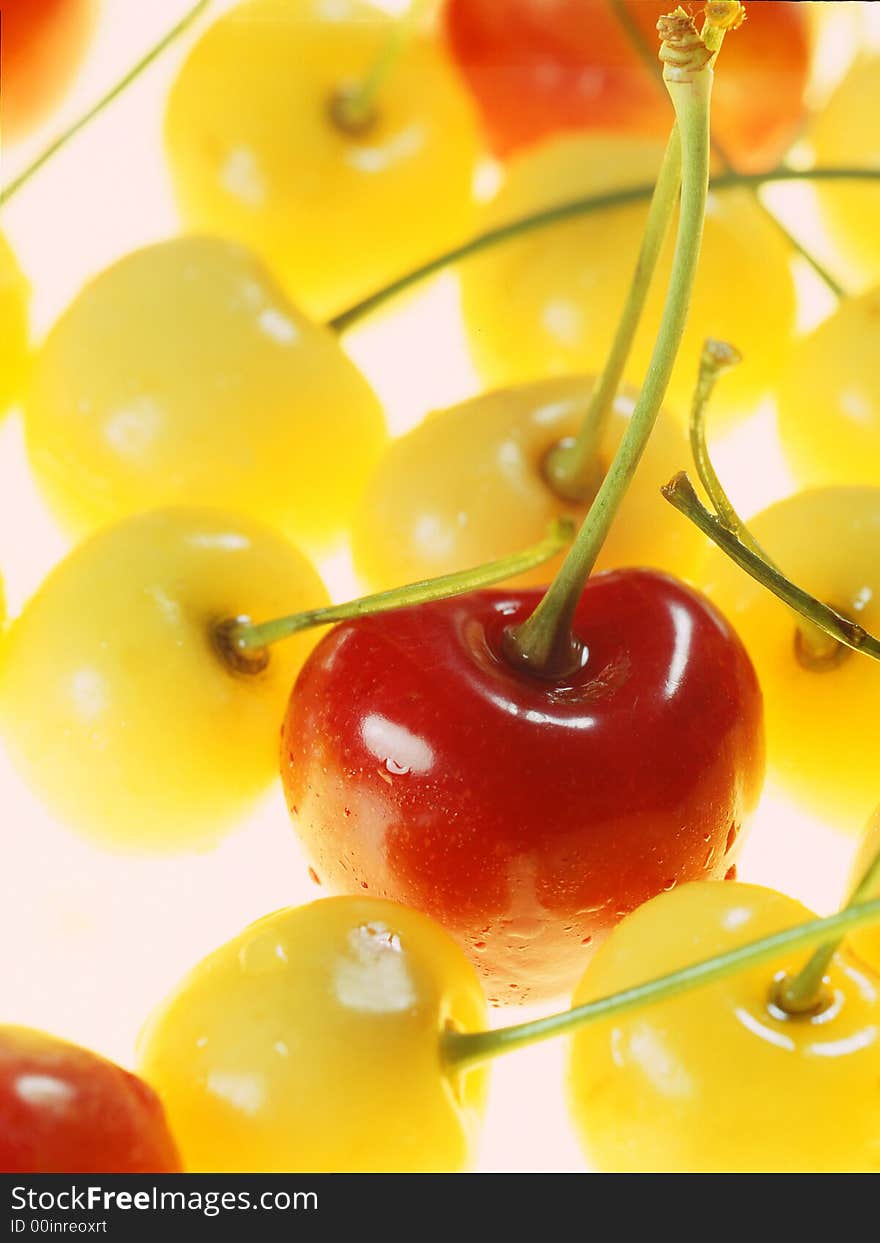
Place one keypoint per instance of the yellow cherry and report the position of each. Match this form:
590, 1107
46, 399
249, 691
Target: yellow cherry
845, 133
469, 485
865, 941
114, 701
181, 375
718, 1079
312, 1043
257, 155
821, 723
829, 397
548, 302
14, 294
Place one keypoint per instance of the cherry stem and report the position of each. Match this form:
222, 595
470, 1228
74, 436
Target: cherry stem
641, 45
544, 643
805, 993
681, 494
571, 210
464, 1049
117, 89
246, 642
815, 650
353, 107
572, 467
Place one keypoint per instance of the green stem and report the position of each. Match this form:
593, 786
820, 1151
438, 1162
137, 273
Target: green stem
571, 210
716, 358
572, 466
681, 494
831, 282
239, 637
135, 72
805, 992
727, 164
353, 107
544, 643
463, 1049
814, 647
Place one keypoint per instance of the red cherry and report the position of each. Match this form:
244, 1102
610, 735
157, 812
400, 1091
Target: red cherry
528, 816
43, 41
64, 1110
540, 66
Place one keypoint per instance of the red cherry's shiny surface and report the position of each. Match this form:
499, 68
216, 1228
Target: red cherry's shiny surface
527, 816
540, 66
65, 1110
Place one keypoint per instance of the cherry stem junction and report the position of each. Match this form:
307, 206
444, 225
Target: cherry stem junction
353, 107
727, 17
244, 642
814, 647
117, 89
571, 468
544, 643
680, 493
804, 993
464, 1049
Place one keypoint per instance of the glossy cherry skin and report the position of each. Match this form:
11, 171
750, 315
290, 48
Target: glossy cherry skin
538, 67
65, 1110
527, 816
311, 1042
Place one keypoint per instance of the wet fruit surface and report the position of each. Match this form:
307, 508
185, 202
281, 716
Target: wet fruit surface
526, 816
312, 1042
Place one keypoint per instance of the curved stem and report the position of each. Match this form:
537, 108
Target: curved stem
544, 642
135, 72
814, 647
638, 41
804, 993
245, 637
681, 494
568, 211
571, 467
463, 1049
716, 358
353, 107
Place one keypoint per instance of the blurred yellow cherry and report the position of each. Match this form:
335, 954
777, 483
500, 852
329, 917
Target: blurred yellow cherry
866, 941
469, 485
258, 151
719, 1079
183, 375
311, 1042
829, 397
845, 133
115, 703
821, 722
14, 293
547, 302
